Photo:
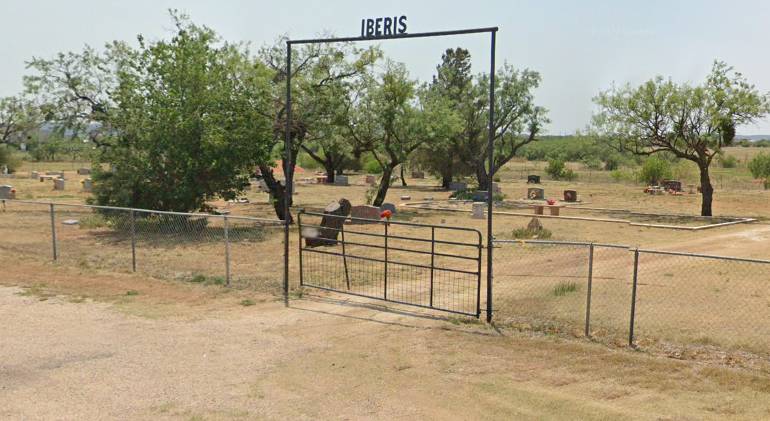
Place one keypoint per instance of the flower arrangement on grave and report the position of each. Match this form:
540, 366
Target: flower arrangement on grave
551, 202
386, 214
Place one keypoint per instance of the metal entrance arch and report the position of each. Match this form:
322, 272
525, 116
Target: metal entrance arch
490, 133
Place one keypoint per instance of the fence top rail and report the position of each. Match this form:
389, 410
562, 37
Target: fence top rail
704, 256
629, 248
199, 214
408, 224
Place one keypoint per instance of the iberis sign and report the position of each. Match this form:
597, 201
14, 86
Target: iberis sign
380, 27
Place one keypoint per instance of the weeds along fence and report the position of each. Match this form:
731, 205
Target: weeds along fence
194, 247
644, 297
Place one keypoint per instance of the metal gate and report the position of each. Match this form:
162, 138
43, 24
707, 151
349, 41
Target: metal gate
430, 266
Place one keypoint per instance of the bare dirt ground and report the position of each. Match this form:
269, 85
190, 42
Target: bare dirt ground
76, 346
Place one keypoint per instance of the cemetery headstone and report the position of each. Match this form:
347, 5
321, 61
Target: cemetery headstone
496, 188
388, 206
84, 171
58, 184
673, 185
405, 197
34, 175
88, 185
478, 210
456, 185
55, 173
7, 192
534, 193
570, 196
335, 214
341, 180
371, 214
371, 180
533, 179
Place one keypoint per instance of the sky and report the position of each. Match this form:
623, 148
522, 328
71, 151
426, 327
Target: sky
579, 47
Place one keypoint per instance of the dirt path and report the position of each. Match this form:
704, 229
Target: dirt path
65, 357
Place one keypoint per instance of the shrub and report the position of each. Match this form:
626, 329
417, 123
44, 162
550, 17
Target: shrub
654, 170
592, 163
728, 161
558, 171
530, 234
555, 168
760, 168
611, 163
9, 159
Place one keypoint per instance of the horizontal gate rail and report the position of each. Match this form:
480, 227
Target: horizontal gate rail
390, 262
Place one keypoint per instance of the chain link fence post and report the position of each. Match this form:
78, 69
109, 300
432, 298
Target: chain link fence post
227, 250
588, 294
133, 241
53, 231
633, 298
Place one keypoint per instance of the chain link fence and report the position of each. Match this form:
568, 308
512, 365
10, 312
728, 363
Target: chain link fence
202, 248
635, 296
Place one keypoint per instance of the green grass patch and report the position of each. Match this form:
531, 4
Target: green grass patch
247, 302
564, 288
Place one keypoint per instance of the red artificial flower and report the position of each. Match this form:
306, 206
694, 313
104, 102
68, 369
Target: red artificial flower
551, 201
386, 214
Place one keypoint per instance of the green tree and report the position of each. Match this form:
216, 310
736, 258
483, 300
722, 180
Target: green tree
760, 168
18, 116
321, 74
177, 122
391, 118
690, 122
453, 82
188, 123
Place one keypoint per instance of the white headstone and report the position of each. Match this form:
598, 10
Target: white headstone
341, 180
34, 175
58, 184
87, 185
478, 210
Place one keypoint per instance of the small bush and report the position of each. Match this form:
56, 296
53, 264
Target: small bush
530, 234
555, 168
564, 288
654, 170
9, 159
558, 171
247, 302
760, 168
728, 161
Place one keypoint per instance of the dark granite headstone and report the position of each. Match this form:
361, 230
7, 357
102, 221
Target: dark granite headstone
388, 206
533, 179
570, 196
673, 185
331, 224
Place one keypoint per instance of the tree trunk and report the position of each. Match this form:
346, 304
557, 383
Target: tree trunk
277, 193
382, 190
707, 191
339, 171
446, 179
482, 177
329, 168
403, 177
